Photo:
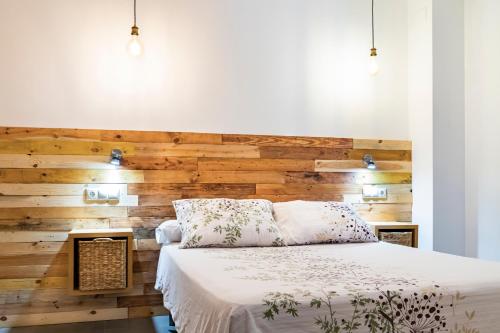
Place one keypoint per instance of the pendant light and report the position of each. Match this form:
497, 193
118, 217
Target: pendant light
134, 46
373, 67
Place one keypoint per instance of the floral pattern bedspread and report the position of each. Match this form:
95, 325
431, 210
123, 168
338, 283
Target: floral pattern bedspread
373, 287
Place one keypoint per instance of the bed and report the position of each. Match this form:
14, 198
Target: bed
368, 287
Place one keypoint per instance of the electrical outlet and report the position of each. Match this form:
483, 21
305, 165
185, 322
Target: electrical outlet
92, 194
374, 192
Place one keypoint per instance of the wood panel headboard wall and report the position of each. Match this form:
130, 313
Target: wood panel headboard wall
43, 173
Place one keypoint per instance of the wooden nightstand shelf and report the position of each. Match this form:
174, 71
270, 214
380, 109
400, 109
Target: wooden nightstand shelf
402, 233
113, 244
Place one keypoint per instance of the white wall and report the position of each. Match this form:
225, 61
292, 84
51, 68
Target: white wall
482, 31
420, 110
449, 126
259, 66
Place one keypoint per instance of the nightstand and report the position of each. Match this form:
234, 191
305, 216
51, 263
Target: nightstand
100, 261
401, 233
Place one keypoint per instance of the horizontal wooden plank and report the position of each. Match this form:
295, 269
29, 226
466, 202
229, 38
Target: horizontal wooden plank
159, 163
247, 164
192, 190
137, 288
33, 271
64, 147
382, 144
54, 189
25, 161
317, 192
302, 153
58, 304
33, 259
284, 141
193, 150
157, 200
140, 256
160, 137
64, 317
63, 201
149, 289
313, 153
348, 178
162, 200
37, 247
240, 177
71, 176
391, 198
307, 197
11, 297
57, 297
305, 189
48, 282
11, 133
128, 301
147, 311
143, 277
136, 222
384, 212
32, 236
145, 266
359, 166
53, 224
378, 154
146, 245
149, 211
62, 212
169, 176
144, 233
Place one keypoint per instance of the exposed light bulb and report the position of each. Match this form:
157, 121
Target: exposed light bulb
134, 46
373, 67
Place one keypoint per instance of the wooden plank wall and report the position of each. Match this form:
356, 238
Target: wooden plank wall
43, 173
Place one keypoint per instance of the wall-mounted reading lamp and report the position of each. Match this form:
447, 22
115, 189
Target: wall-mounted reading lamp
116, 157
369, 162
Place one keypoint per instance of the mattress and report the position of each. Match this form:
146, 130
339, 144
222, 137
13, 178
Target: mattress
372, 287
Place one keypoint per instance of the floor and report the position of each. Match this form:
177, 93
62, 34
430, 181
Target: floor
143, 325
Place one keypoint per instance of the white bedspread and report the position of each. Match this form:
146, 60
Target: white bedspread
373, 287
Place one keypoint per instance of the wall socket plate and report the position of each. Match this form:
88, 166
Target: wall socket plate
92, 194
102, 193
374, 192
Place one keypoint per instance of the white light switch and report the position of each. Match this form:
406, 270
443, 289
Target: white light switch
374, 192
114, 193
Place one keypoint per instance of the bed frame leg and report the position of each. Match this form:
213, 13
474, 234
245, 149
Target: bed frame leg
171, 329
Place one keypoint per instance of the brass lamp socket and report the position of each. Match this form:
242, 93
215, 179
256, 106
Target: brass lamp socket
373, 52
135, 31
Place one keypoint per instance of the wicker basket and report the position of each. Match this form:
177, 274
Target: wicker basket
400, 238
102, 264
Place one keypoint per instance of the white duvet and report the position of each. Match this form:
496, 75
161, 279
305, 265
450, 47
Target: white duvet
371, 287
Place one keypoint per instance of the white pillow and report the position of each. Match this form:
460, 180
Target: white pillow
168, 232
227, 223
309, 222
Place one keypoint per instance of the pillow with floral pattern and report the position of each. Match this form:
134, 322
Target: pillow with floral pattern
310, 222
227, 223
